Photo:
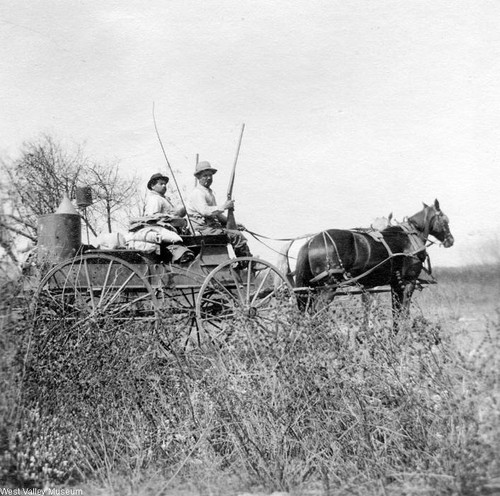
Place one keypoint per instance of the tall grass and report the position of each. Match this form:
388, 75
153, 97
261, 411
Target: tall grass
333, 402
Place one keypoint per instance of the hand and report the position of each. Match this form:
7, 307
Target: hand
228, 204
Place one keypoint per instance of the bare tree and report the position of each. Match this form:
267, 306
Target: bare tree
113, 193
34, 185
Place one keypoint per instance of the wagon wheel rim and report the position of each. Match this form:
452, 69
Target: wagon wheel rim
259, 295
95, 288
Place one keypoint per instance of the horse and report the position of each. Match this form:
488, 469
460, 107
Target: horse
367, 258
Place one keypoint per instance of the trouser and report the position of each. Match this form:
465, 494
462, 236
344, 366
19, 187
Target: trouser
180, 253
237, 240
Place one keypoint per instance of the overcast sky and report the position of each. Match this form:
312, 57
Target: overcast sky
353, 109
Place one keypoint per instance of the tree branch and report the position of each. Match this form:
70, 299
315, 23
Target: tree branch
17, 231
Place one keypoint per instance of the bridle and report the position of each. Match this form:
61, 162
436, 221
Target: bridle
440, 224
435, 223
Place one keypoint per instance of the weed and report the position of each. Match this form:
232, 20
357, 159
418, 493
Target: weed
334, 399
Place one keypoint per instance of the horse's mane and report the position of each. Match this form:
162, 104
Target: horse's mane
394, 231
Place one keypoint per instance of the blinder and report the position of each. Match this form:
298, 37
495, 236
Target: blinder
440, 229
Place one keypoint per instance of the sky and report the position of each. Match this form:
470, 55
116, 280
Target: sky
352, 109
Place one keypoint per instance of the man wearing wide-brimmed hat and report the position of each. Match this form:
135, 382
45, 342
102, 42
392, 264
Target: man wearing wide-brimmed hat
157, 204
161, 217
206, 215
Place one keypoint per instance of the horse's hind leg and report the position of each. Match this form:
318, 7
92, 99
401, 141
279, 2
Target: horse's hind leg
304, 299
366, 300
357, 332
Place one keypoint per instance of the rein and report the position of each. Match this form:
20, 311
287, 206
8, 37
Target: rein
394, 255
258, 237
409, 227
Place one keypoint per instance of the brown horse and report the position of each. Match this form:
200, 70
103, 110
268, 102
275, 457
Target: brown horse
368, 258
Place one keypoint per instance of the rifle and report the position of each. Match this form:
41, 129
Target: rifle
231, 221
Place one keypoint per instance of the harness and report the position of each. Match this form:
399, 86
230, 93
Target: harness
377, 236
413, 235
417, 239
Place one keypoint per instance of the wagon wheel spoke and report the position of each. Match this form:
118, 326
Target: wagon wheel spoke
253, 299
52, 299
237, 284
226, 313
220, 317
221, 288
179, 324
261, 285
274, 294
118, 292
210, 302
248, 283
96, 288
48, 300
215, 331
129, 304
192, 326
104, 292
89, 285
186, 302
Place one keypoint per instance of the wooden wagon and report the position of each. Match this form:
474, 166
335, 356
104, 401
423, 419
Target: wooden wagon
204, 295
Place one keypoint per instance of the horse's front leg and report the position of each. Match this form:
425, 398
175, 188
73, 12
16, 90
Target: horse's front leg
315, 300
401, 293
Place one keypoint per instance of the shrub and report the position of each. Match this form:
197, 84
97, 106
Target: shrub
333, 397
316, 403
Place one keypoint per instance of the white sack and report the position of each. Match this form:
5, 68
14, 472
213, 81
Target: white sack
110, 241
149, 238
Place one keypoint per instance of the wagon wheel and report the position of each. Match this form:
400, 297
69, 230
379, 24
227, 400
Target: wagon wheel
95, 288
178, 316
259, 296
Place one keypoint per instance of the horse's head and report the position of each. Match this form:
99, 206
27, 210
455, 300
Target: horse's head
432, 220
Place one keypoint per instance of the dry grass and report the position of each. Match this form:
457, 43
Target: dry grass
331, 404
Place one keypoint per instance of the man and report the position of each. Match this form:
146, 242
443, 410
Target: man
157, 204
159, 211
207, 217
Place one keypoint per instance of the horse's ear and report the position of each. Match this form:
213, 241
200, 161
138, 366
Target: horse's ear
436, 204
389, 219
425, 205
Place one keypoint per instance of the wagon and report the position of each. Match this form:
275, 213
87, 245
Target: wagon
203, 296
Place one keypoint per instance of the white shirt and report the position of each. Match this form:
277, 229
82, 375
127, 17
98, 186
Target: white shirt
157, 204
202, 203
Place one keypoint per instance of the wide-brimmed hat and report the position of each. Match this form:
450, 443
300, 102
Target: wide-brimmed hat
204, 166
155, 178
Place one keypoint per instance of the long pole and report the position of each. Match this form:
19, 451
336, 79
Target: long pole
171, 171
197, 160
231, 221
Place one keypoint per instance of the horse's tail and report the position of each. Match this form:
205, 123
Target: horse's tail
283, 262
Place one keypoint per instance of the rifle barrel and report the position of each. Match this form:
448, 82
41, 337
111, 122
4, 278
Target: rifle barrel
233, 172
